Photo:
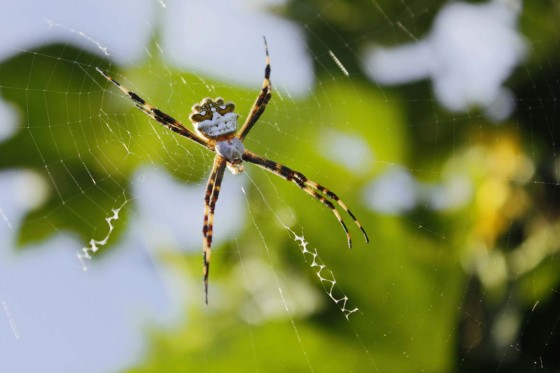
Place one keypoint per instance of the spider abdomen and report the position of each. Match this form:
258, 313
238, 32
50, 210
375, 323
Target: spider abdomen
232, 150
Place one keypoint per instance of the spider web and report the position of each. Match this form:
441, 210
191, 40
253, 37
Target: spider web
436, 122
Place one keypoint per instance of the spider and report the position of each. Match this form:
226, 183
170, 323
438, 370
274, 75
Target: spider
215, 123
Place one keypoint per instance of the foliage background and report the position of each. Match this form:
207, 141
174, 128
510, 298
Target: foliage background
459, 289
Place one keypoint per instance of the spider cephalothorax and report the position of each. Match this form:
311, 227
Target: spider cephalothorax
214, 119
216, 129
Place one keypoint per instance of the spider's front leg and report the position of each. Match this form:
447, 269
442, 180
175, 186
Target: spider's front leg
159, 116
262, 100
210, 198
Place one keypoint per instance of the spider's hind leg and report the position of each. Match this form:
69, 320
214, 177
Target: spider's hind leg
210, 198
310, 187
313, 193
337, 199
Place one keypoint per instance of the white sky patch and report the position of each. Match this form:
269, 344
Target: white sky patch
199, 36
123, 30
349, 151
454, 192
393, 192
75, 321
396, 191
120, 26
29, 189
471, 50
26, 189
9, 120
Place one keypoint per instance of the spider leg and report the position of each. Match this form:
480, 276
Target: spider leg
262, 100
335, 198
310, 187
156, 114
210, 198
307, 189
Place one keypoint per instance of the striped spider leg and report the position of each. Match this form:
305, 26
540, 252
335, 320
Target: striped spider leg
156, 114
310, 187
262, 100
215, 123
210, 198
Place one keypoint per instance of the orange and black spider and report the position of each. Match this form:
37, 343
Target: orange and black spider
215, 123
